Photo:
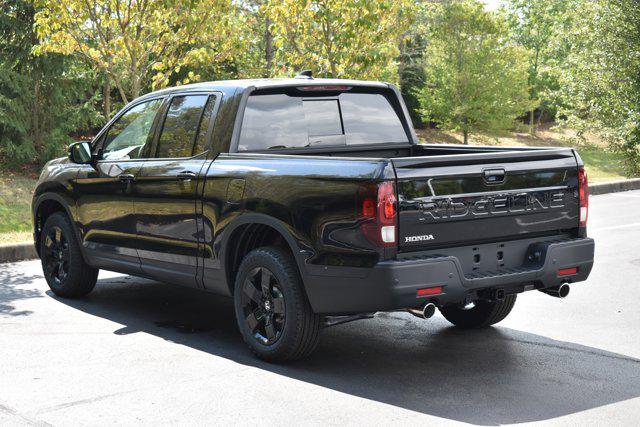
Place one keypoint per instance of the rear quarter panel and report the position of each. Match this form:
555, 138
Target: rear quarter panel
312, 199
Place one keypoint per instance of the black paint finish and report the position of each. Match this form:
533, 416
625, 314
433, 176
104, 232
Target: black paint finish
185, 220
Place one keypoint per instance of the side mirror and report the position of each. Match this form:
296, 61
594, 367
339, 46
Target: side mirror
80, 152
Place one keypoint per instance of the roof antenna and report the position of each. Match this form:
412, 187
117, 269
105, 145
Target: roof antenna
305, 74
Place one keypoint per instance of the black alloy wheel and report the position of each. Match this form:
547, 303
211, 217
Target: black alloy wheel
66, 272
272, 311
55, 255
263, 306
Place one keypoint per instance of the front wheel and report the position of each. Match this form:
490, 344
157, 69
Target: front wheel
481, 315
272, 311
64, 268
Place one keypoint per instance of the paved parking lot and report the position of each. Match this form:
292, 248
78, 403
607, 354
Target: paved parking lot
137, 351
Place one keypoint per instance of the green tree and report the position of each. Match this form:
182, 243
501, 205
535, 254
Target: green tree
537, 25
138, 42
411, 69
257, 56
476, 80
600, 78
42, 98
340, 38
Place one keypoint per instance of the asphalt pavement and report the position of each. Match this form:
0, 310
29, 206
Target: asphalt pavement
137, 351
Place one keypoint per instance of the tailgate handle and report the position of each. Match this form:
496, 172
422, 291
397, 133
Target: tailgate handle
494, 176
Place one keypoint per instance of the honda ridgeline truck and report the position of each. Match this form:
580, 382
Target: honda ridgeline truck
311, 203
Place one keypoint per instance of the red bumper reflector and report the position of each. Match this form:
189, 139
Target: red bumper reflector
430, 291
567, 271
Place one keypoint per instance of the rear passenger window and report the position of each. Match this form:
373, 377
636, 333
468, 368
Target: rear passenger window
181, 132
204, 126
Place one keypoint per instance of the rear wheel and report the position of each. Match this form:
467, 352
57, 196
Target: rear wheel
481, 315
64, 268
272, 311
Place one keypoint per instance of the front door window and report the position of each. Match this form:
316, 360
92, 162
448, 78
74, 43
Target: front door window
127, 136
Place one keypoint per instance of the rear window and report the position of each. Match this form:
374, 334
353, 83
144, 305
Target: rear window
273, 121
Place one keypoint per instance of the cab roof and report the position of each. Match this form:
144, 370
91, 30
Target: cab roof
243, 84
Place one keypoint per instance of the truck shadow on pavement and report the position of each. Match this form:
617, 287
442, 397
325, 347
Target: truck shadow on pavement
489, 377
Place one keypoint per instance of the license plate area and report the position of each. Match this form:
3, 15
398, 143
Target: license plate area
502, 256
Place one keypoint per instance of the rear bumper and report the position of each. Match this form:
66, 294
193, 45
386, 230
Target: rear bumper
392, 285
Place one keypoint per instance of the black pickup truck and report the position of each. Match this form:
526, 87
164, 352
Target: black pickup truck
311, 203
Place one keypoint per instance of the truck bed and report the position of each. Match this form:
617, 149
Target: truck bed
392, 151
450, 195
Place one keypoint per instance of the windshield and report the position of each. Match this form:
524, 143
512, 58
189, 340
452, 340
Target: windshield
276, 121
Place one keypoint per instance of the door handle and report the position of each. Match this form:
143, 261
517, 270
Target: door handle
186, 176
126, 177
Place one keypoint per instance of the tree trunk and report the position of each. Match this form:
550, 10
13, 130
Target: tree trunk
35, 121
465, 133
268, 47
532, 82
540, 118
532, 122
106, 97
135, 86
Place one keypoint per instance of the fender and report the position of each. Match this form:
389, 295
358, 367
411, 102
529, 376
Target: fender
300, 250
64, 202
35, 205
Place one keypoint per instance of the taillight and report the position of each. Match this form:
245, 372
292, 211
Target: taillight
583, 192
387, 202
379, 214
369, 208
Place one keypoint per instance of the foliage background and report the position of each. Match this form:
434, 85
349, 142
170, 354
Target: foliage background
67, 66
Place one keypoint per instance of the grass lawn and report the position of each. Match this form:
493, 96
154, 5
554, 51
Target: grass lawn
601, 163
15, 208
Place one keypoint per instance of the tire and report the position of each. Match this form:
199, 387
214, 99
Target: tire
482, 315
64, 268
272, 310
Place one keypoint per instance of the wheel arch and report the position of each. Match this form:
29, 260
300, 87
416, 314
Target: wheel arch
43, 207
250, 231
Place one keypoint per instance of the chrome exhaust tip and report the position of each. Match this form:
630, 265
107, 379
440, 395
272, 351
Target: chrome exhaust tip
425, 312
429, 310
559, 291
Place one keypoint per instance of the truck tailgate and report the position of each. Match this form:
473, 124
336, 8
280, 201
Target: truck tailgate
460, 199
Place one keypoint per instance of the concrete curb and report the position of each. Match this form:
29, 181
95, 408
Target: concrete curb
614, 187
24, 251
17, 252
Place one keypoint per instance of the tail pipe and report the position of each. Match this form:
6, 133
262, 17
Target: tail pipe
425, 312
559, 291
